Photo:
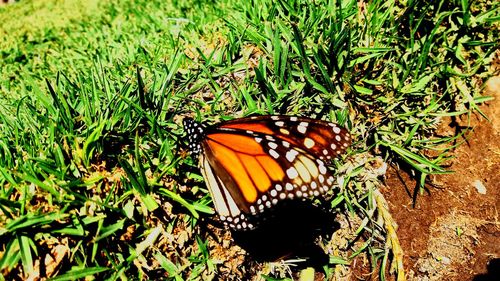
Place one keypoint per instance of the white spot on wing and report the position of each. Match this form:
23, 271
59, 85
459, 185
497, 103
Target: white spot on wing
272, 145
322, 169
269, 138
329, 180
292, 173
274, 154
308, 142
284, 131
291, 154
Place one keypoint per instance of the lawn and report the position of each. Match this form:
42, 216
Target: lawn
96, 178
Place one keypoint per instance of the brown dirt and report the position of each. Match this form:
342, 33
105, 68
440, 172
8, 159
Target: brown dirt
453, 231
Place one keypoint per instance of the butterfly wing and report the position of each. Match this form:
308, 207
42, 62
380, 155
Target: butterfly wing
320, 138
251, 164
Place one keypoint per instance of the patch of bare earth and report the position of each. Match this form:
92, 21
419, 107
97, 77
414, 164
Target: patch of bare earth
453, 232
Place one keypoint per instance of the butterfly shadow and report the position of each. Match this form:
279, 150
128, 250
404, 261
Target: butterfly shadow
289, 230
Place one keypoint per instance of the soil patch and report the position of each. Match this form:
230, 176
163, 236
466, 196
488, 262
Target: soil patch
453, 231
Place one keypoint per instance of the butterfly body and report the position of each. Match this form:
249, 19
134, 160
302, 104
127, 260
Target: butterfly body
251, 164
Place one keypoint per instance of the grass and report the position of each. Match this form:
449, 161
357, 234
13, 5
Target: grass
93, 161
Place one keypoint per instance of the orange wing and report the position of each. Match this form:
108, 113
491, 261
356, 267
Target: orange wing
251, 164
320, 138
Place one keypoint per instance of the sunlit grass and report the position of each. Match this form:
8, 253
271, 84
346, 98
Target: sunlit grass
93, 164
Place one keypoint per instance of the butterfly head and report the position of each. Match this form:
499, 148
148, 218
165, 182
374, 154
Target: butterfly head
195, 133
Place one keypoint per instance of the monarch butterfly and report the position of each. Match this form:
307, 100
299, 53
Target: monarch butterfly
250, 164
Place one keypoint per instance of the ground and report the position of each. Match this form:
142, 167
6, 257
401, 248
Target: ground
453, 230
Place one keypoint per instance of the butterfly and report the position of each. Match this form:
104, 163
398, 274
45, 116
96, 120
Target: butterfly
251, 164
